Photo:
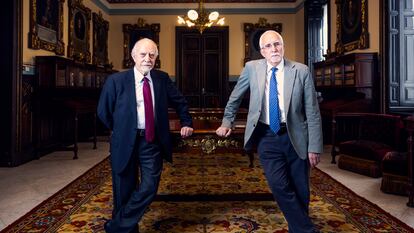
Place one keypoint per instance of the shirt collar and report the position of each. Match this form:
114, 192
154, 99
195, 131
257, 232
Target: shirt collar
279, 67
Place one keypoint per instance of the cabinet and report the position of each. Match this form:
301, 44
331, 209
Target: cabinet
347, 83
356, 71
60, 85
58, 72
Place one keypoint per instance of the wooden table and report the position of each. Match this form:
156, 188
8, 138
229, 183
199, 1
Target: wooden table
74, 109
204, 139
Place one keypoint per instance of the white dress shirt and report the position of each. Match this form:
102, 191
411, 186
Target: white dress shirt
139, 82
280, 75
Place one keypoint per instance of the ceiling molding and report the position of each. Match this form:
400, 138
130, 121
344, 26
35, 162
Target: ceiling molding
182, 8
194, 1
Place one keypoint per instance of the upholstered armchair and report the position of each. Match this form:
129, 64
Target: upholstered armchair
395, 173
363, 139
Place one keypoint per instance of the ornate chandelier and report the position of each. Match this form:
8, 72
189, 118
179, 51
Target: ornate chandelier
200, 19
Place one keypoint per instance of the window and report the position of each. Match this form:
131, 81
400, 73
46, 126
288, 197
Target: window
317, 29
400, 56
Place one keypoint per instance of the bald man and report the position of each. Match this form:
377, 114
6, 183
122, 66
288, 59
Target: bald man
284, 122
134, 106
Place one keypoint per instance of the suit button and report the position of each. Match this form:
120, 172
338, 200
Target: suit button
254, 125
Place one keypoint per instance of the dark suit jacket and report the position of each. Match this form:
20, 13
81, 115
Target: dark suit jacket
117, 109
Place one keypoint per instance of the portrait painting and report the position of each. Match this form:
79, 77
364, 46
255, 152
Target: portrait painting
100, 40
79, 21
252, 33
46, 23
79, 24
48, 13
352, 25
135, 32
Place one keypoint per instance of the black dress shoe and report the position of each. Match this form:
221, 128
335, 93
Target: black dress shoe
107, 226
136, 230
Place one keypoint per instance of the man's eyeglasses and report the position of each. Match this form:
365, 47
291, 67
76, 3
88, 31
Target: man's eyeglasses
274, 44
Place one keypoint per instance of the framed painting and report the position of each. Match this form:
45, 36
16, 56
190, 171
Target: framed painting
135, 32
100, 40
352, 25
79, 24
46, 25
252, 33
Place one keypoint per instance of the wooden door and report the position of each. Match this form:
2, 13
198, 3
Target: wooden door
202, 66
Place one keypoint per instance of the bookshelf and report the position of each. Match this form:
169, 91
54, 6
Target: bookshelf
60, 72
355, 70
65, 92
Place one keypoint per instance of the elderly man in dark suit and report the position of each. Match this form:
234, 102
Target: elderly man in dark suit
134, 105
285, 123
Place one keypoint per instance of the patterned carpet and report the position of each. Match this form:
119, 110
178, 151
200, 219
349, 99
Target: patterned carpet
208, 193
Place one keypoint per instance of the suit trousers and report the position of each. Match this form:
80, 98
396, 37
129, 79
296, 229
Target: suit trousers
131, 198
287, 176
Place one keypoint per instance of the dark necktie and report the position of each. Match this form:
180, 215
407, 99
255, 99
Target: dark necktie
274, 115
149, 112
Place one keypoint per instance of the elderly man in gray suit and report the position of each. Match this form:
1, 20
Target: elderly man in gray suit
284, 122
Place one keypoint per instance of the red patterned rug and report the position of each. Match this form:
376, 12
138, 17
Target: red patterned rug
209, 193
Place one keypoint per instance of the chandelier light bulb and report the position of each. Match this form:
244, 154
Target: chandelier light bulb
192, 14
213, 16
180, 20
221, 21
189, 23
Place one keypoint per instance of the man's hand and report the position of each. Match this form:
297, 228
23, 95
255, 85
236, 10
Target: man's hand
186, 131
223, 131
314, 159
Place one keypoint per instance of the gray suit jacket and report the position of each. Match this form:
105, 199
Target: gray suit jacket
303, 118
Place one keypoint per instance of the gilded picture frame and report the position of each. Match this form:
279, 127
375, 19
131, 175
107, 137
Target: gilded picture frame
79, 25
100, 40
135, 32
352, 25
46, 26
252, 33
